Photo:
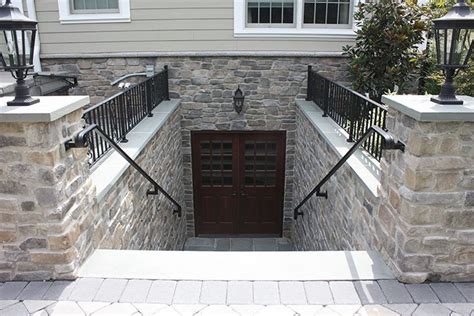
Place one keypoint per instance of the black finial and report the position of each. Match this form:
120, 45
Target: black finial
8, 2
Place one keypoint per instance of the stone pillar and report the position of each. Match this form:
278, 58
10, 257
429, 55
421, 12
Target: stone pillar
427, 220
44, 190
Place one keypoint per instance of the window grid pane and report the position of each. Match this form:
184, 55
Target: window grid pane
94, 6
270, 12
326, 11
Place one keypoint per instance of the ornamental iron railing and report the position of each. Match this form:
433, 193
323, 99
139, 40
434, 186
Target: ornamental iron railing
352, 111
120, 113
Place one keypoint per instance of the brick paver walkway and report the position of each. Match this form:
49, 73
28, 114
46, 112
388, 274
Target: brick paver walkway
93, 296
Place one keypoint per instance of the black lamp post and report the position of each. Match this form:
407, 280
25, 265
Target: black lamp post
454, 38
16, 55
238, 100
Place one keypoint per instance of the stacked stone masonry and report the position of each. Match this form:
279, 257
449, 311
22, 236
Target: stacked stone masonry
206, 86
129, 219
51, 220
427, 219
45, 200
421, 222
344, 220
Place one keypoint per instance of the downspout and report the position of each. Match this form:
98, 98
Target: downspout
30, 5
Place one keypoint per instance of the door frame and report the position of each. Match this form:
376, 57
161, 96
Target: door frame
196, 177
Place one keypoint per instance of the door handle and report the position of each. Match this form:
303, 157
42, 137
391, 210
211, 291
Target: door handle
235, 193
243, 194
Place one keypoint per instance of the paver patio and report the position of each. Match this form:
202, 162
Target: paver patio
95, 296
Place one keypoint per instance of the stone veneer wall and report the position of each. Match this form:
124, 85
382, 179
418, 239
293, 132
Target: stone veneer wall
429, 200
423, 220
127, 217
345, 221
45, 199
51, 220
206, 86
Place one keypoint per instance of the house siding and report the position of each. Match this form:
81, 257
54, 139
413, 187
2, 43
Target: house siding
164, 26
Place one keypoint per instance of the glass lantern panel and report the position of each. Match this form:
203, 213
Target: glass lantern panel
10, 50
16, 48
463, 42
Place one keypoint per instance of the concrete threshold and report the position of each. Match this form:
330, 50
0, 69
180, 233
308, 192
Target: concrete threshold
231, 266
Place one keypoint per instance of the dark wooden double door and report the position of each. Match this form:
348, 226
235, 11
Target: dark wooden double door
238, 182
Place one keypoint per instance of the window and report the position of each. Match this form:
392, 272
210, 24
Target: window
318, 18
94, 11
270, 12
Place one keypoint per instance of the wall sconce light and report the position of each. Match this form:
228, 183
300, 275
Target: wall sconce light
239, 99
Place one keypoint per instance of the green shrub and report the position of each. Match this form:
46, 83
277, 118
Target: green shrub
385, 55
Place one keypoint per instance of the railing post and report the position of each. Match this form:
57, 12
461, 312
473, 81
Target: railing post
149, 101
309, 94
123, 118
167, 88
352, 118
325, 97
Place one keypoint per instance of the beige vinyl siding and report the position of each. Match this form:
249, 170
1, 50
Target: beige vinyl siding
163, 26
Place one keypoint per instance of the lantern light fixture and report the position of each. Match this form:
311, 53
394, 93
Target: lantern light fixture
17, 50
239, 99
454, 39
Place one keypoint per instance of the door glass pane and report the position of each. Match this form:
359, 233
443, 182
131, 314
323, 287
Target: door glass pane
216, 163
260, 163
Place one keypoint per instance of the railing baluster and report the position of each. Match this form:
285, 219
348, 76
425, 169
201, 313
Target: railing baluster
118, 114
354, 112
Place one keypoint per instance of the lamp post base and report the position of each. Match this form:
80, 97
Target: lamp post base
22, 94
439, 100
23, 101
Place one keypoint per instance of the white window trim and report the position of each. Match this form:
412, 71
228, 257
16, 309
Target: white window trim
241, 30
67, 17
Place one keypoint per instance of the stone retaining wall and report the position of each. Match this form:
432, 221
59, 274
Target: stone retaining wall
50, 219
206, 86
129, 219
344, 221
423, 220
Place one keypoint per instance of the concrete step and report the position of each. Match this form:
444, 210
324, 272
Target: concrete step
231, 266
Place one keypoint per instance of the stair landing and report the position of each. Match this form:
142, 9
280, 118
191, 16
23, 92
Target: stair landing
236, 266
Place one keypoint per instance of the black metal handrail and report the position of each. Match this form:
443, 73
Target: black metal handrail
120, 113
82, 139
354, 112
388, 143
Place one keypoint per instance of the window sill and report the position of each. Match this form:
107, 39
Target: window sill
87, 18
336, 33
